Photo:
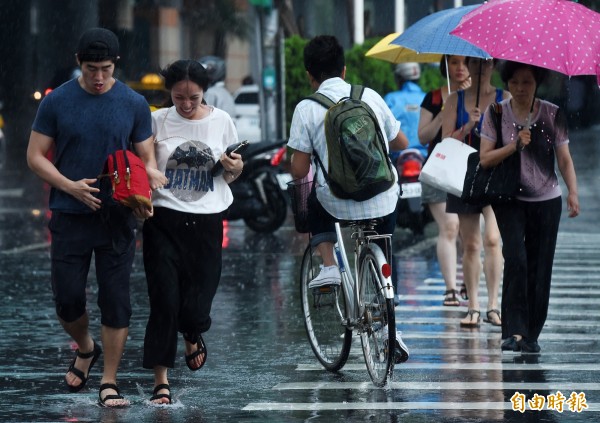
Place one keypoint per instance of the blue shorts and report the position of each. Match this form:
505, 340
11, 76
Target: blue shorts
74, 238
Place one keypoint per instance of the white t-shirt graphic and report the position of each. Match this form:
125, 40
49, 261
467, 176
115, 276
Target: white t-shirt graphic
186, 151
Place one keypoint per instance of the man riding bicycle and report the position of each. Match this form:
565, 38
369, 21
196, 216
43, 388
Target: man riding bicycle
325, 66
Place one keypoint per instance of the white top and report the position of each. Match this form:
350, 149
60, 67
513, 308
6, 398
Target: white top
307, 131
186, 151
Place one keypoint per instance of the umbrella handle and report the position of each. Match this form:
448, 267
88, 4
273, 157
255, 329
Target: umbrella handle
531, 109
478, 84
447, 72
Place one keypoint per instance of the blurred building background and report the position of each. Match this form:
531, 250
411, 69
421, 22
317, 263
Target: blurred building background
38, 40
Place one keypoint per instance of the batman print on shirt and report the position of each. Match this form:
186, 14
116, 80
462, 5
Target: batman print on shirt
188, 171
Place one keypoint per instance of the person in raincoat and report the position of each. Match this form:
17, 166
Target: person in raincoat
405, 104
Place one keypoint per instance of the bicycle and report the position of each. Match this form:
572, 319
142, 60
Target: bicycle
364, 302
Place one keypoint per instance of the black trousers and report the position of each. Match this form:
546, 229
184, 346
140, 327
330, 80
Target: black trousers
529, 231
182, 260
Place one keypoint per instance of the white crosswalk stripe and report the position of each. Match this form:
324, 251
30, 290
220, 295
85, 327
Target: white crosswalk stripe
449, 362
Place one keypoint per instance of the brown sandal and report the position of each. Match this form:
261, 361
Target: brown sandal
451, 300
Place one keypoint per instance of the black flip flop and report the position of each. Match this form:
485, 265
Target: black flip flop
94, 355
490, 321
471, 324
201, 350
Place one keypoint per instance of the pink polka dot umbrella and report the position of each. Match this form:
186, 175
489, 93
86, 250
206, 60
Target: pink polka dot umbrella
560, 35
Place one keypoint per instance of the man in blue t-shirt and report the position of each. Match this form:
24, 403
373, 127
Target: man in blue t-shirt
405, 104
81, 123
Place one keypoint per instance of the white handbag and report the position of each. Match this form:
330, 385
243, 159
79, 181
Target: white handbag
446, 166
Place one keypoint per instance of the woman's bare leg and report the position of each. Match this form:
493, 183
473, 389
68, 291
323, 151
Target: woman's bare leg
446, 242
493, 261
470, 231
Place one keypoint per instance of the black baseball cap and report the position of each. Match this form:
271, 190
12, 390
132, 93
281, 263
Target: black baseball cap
97, 45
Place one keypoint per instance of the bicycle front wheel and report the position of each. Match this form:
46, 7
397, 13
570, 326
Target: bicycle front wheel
323, 309
378, 334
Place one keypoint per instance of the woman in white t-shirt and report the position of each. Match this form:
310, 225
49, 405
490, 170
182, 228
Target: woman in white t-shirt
182, 241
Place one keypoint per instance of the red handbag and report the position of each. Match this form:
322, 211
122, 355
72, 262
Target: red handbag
129, 179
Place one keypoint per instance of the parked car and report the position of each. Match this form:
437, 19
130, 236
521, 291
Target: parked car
247, 113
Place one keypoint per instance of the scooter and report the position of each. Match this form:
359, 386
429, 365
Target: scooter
259, 196
411, 213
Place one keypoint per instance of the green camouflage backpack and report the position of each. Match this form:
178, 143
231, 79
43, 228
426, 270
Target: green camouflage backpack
359, 165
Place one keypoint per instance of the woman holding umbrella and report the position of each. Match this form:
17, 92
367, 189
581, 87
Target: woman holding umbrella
461, 119
454, 68
537, 130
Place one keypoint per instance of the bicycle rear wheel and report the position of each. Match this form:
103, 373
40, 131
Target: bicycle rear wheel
329, 339
378, 334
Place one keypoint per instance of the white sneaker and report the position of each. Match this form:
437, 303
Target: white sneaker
401, 353
329, 275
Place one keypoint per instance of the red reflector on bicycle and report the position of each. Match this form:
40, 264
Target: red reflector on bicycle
386, 270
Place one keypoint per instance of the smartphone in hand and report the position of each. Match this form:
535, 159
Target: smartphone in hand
239, 148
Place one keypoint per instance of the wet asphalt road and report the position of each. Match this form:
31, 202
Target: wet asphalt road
260, 367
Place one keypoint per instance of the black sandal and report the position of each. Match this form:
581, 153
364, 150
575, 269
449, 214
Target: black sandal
94, 354
463, 292
490, 321
156, 395
471, 324
201, 350
118, 396
451, 300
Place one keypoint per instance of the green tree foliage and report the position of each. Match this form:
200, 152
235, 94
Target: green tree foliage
296, 81
373, 73
431, 78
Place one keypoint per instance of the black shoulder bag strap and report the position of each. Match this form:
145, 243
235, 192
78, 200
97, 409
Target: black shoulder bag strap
497, 118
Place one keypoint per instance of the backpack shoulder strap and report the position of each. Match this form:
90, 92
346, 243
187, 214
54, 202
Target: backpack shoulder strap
326, 102
356, 92
322, 99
